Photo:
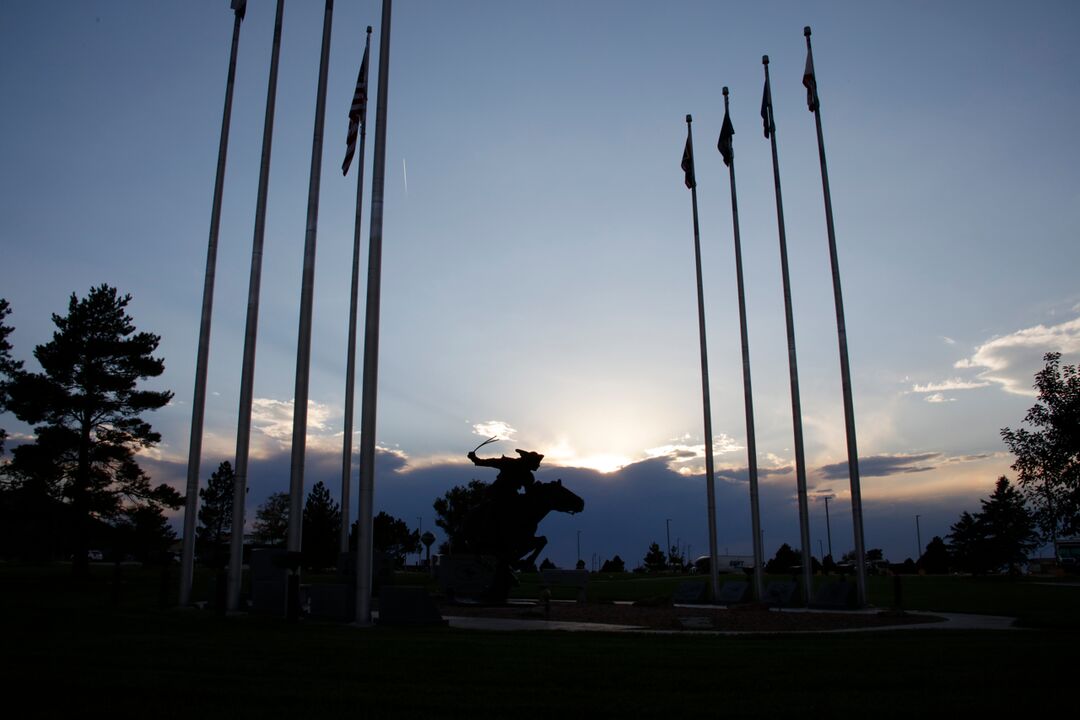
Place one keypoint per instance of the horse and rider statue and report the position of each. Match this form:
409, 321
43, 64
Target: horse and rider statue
503, 525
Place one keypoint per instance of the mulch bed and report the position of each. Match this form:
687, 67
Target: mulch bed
668, 617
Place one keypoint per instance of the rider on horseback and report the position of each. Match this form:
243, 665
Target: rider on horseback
514, 473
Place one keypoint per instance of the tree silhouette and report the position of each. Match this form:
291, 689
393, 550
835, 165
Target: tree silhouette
998, 537
454, 506
321, 528
215, 514
9, 367
87, 411
393, 537
271, 525
1048, 457
143, 532
936, 559
614, 565
655, 560
785, 559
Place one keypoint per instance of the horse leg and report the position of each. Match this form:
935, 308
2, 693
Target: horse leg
539, 543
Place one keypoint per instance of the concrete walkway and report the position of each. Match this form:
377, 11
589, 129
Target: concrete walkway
952, 621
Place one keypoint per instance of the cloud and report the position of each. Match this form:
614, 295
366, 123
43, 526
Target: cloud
495, 428
939, 398
882, 466
948, 340
1012, 360
947, 385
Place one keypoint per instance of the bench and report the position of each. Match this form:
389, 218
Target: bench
566, 578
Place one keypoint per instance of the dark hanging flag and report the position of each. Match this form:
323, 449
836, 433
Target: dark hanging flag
239, 7
688, 164
356, 113
767, 110
724, 144
809, 80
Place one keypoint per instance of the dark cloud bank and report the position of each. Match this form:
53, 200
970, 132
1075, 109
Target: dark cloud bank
626, 510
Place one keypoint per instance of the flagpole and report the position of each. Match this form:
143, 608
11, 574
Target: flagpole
307, 291
350, 365
748, 396
198, 404
845, 367
796, 407
371, 335
247, 372
710, 485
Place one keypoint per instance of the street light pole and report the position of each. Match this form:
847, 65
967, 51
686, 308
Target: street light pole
667, 550
828, 527
579, 545
918, 539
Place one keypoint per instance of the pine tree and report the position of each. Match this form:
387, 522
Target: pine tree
999, 537
87, 409
321, 528
655, 560
215, 513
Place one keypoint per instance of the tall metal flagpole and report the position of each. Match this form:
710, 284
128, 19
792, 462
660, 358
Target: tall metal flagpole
727, 150
350, 366
198, 404
710, 485
247, 372
371, 335
796, 408
810, 80
307, 291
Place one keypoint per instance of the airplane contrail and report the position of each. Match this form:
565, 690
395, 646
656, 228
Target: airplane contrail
405, 173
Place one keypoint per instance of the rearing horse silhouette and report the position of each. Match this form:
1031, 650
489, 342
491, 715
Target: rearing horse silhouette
507, 529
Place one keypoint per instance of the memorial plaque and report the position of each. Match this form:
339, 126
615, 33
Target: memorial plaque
407, 606
733, 592
780, 593
268, 581
466, 576
835, 595
331, 601
690, 592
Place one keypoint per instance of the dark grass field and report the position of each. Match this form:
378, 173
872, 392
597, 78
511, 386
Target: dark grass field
85, 650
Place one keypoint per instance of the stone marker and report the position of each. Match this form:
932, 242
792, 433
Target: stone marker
690, 592
836, 595
331, 601
695, 623
465, 576
780, 593
407, 606
268, 581
733, 592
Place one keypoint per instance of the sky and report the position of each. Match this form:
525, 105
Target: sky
538, 270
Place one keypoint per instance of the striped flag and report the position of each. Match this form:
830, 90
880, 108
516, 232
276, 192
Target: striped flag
767, 110
356, 113
809, 80
688, 164
239, 7
724, 144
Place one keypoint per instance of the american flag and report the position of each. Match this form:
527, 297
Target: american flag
356, 112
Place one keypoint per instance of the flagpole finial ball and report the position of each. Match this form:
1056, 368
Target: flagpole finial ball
764, 59
369, 29
806, 31
725, 91
688, 118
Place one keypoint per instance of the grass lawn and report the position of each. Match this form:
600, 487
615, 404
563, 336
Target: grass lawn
81, 648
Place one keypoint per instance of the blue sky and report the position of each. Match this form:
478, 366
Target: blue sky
538, 266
